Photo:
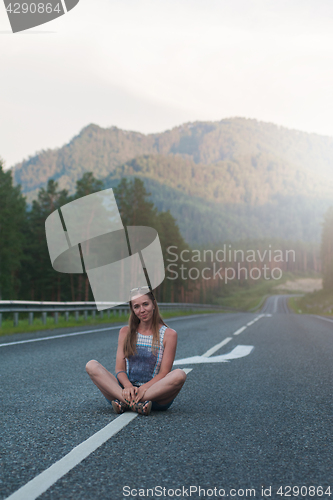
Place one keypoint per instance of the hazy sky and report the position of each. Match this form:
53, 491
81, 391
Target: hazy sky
149, 65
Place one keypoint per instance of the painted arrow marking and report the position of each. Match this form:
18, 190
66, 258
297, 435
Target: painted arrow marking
238, 352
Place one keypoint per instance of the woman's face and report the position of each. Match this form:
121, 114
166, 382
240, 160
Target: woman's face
143, 307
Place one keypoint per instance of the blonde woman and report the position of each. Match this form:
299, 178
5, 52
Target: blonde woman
145, 355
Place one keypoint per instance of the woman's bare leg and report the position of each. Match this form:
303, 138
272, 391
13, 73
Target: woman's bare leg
166, 389
104, 380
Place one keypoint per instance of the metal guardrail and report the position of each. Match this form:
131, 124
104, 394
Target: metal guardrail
31, 307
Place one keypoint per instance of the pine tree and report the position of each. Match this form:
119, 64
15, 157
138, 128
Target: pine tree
42, 281
136, 210
12, 240
133, 203
171, 290
88, 184
327, 250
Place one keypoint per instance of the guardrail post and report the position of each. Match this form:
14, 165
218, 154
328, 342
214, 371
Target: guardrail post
77, 315
101, 314
31, 318
16, 318
108, 313
0, 320
66, 315
85, 313
44, 316
56, 317
94, 314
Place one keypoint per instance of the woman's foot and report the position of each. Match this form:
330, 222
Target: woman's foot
143, 408
119, 406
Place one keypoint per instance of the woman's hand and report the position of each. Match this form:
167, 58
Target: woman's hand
139, 393
129, 393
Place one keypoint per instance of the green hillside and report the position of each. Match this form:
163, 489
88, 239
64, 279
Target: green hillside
204, 222
242, 181
232, 179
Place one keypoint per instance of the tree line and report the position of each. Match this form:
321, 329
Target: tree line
26, 272
327, 250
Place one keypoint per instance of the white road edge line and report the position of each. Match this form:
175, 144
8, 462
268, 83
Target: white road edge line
38, 485
189, 317
325, 319
61, 336
91, 331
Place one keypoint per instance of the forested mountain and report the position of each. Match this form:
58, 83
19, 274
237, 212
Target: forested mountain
26, 271
227, 180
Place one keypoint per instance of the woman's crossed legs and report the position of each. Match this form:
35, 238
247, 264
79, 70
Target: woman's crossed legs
162, 392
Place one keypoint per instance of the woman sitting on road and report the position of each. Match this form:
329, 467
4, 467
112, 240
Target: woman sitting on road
146, 352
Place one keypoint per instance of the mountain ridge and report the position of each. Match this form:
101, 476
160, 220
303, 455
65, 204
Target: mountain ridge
239, 167
205, 142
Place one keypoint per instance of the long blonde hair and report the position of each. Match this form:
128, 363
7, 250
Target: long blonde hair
133, 323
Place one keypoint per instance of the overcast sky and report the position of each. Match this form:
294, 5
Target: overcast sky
150, 65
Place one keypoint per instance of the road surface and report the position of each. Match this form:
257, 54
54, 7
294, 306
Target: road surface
255, 415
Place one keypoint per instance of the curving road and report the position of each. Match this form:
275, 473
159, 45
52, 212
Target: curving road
276, 304
255, 413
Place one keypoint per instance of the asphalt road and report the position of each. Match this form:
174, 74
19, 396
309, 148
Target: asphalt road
259, 421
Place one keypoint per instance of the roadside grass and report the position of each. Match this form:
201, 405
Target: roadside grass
7, 327
250, 297
319, 302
